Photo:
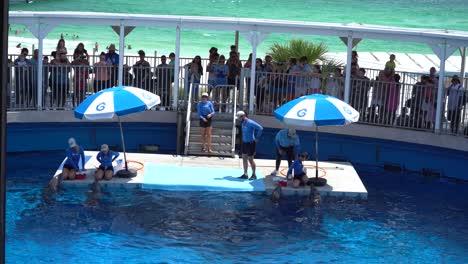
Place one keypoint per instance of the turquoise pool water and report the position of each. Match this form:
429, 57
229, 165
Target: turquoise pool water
449, 14
407, 219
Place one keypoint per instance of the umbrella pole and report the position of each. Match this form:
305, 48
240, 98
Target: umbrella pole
317, 181
316, 152
123, 143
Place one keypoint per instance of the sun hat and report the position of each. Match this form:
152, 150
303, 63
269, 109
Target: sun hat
72, 142
104, 147
240, 114
291, 132
112, 47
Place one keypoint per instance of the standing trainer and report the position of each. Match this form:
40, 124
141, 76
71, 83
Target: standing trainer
287, 142
251, 132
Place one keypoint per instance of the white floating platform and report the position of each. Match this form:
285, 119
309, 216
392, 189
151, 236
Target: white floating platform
191, 173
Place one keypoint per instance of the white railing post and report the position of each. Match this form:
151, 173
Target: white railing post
233, 136
176, 69
440, 90
121, 53
187, 119
463, 63
348, 69
40, 68
252, 72
241, 88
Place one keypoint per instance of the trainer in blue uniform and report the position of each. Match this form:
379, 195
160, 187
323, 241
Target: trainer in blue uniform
300, 173
286, 141
205, 113
251, 132
71, 166
105, 157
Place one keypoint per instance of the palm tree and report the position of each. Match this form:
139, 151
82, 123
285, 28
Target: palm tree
297, 48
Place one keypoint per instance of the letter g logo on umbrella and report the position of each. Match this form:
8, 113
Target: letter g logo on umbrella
101, 106
302, 112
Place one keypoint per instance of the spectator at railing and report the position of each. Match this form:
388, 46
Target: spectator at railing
292, 70
392, 98
127, 76
163, 75
213, 51
302, 81
112, 59
334, 86
457, 99
379, 92
355, 58
23, 79
79, 50
429, 103
247, 67
360, 86
81, 68
391, 63
33, 88
415, 103
210, 69
45, 80
315, 82
101, 74
61, 46
235, 66
221, 71
195, 72
433, 76
260, 84
172, 65
142, 71
60, 81
269, 66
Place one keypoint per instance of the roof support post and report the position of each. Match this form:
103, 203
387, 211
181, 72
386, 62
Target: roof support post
463, 62
255, 38
40, 31
442, 50
348, 69
176, 69
121, 53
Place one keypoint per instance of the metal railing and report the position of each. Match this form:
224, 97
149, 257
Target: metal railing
404, 104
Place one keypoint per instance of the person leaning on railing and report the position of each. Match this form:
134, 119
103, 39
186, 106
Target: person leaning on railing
142, 71
163, 75
81, 68
22, 78
101, 74
457, 99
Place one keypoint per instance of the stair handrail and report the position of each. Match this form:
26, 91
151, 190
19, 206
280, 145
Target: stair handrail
234, 117
187, 119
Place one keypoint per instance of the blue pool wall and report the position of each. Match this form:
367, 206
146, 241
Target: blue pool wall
22, 137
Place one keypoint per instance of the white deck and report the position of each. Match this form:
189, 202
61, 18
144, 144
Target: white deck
343, 180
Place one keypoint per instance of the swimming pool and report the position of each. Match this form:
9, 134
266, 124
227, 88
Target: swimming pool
407, 218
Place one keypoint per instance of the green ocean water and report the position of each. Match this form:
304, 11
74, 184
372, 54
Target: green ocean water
439, 14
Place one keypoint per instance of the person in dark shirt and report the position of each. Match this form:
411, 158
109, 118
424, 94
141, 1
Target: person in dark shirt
300, 173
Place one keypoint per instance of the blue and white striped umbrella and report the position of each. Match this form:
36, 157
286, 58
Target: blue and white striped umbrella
316, 110
120, 101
